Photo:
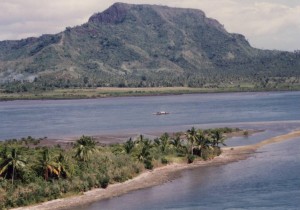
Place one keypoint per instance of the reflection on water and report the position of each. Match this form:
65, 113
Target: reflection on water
268, 180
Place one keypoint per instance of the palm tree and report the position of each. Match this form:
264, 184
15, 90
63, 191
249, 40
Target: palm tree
62, 166
164, 142
145, 155
128, 146
48, 166
217, 138
176, 141
203, 141
11, 164
191, 136
145, 152
84, 147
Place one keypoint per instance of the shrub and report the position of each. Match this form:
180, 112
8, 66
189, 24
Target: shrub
91, 181
164, 160
104, 181
148, 164
217, 151
206, 153
209, 153
190, 158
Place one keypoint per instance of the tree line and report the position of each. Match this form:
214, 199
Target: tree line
30, 173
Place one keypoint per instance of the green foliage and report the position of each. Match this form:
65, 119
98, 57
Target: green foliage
85, 146
148, 164
164, 160
12, 164
246, 133
128, 146
104, 181
210, 152
142, 49
190, 158
50, 172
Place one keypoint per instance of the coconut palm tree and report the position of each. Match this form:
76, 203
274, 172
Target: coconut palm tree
176, 141
217, 138
164, 142
129, 145
84, 147
145, 155
145, 150
62, 166
48, 165
11, 164
203, 141
191, 136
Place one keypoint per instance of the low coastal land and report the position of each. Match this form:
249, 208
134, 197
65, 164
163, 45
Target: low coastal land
106, 139
103, 92
158, 175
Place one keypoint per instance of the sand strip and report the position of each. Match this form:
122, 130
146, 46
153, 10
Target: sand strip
157, 176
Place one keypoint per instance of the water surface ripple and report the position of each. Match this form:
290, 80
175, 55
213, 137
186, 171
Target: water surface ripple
63, 118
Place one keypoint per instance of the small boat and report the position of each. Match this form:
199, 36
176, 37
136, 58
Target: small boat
161, 113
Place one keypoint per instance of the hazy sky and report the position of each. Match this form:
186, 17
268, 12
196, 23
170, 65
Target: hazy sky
267, 24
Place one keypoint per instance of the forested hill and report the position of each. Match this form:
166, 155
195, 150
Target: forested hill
145, 45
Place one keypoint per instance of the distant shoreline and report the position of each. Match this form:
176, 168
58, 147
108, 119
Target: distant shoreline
107, 139
158, 176
110, 92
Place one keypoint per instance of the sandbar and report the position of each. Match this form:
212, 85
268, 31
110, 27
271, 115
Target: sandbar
157, 176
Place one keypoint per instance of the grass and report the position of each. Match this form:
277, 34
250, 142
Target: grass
83, 93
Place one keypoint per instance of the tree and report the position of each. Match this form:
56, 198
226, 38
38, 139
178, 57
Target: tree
62, 166
84, 147
217, 138
144, 155
48, 166
164, 142
176, 141
203, 142
191, 136
128, 146
11, 164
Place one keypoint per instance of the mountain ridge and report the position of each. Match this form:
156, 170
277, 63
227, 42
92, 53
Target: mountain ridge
142, 46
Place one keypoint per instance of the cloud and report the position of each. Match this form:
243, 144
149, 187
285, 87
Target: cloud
269, 24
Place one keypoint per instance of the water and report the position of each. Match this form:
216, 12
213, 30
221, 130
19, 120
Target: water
268, 180
63, 118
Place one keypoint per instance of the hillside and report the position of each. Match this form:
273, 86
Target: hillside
141, 46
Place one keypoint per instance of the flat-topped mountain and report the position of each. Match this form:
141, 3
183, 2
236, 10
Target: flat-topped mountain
144, 45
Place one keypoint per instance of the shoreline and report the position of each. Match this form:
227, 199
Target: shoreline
158, 176
107, 139
98, 93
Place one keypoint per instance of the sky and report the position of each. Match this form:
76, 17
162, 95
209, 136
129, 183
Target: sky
267, 24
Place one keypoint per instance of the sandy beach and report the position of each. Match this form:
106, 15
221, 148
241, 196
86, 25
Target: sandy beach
158, 176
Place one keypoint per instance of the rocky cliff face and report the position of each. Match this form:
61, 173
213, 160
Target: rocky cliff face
115, 14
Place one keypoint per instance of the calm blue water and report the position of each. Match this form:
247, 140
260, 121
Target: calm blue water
268, 180
65, 118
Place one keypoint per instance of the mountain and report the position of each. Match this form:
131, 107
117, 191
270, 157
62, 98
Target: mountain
144, 45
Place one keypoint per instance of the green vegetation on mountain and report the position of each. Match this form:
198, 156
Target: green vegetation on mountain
30, 173
144, 46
